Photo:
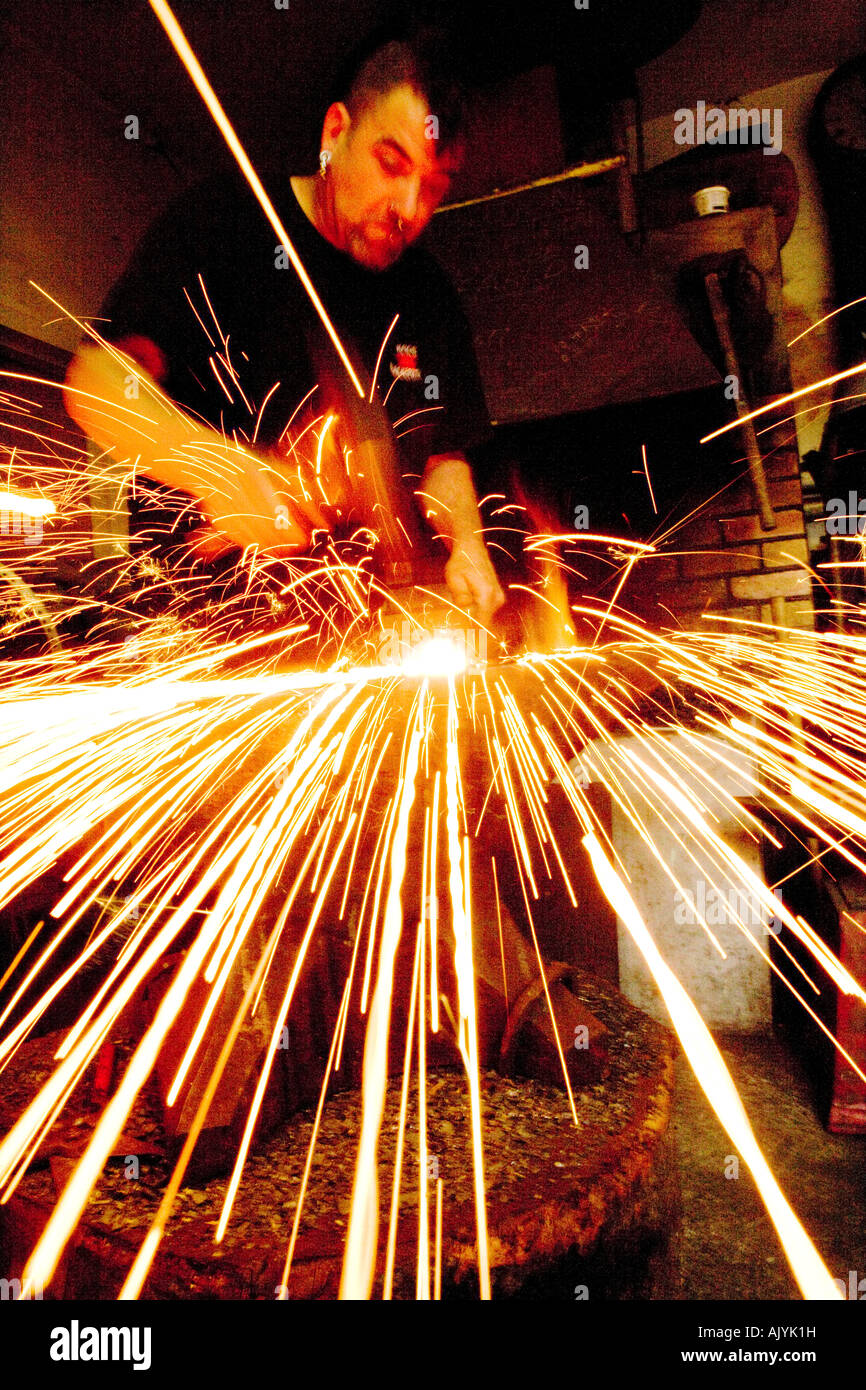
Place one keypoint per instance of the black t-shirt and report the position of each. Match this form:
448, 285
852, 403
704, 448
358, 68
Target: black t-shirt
209, 286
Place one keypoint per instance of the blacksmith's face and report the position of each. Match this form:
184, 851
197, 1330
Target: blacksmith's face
387, 175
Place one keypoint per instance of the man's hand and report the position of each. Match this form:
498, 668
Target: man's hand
447, 496
248, 498
472, 580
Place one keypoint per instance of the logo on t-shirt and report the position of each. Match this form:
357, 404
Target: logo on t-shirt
406, 366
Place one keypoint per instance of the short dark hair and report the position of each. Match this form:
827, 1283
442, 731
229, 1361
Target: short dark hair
423, 59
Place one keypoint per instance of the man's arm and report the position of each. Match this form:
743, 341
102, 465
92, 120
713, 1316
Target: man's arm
451, 505
245, 497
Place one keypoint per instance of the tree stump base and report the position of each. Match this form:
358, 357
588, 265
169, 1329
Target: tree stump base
573, 1213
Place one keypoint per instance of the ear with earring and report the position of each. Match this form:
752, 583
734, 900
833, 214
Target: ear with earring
324, 161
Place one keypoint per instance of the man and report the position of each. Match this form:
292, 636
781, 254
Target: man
214, 314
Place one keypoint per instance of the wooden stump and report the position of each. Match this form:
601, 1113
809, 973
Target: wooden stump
572, 1213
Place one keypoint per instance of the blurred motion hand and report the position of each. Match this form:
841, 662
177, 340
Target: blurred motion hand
472, 580
252, 499
268, 500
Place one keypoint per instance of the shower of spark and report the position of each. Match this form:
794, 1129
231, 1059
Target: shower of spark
332, 747
117, 776
324, 777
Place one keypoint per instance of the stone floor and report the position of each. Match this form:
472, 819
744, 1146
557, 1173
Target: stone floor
729, 1248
